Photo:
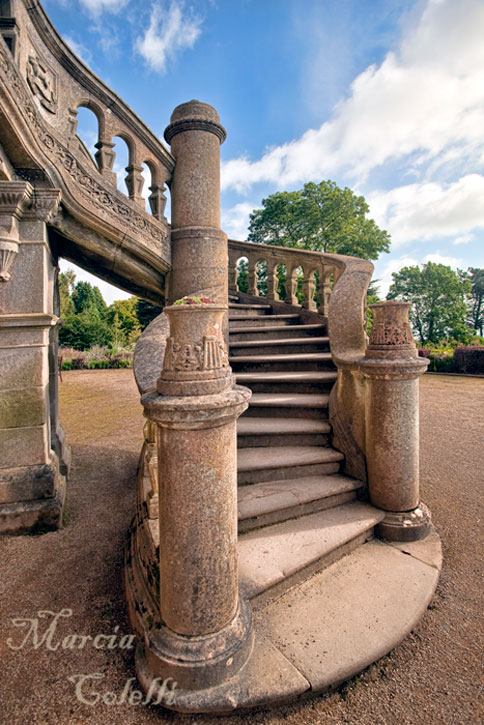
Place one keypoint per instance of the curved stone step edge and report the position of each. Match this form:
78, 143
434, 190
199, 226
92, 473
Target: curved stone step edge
263, 504
247, 426
273, 555
275, 672
338, 622
271, 342
256, 459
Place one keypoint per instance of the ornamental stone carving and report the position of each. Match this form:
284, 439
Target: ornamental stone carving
8, 252
42, 82
391, 332
196, 361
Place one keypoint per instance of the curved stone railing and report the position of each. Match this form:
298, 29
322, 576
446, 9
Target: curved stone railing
335, 286
42, 86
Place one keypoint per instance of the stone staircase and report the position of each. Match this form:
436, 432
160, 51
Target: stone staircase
301, 512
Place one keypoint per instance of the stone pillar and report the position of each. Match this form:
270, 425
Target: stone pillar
206, 631
392, 368
205, 634
199, 247
31, 487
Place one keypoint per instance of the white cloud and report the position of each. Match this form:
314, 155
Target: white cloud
424, 104
439, 258
96, 7
429, 210
235, 221
383, 272
463, 239
169, 32
80, 50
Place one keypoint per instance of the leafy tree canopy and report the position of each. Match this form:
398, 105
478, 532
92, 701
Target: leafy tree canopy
475, 300
85, 295
320, 217
438, 297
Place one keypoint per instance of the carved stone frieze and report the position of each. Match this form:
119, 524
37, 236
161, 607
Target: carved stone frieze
209, 353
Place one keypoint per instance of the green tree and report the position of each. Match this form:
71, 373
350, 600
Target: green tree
122, 317
475, 300
82, 331
85, 296
146, 312
66, 283
320, 217
438, 298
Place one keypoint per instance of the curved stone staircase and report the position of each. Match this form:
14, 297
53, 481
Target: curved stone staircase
301, 511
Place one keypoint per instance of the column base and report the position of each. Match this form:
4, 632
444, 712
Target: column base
405, 525
42, 492
199, 662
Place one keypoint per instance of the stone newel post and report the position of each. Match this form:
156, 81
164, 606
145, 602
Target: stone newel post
205, 632
392, 368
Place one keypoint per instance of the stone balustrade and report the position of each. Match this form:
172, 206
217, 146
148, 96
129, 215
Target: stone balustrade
267, 265
42, 86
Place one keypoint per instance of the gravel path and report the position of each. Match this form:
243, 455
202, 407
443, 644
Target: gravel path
434, 676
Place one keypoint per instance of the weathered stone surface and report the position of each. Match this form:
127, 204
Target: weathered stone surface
267, 678
338, 622
27, 483
271, 555
42, 515
23, 367
23, 407
31, 288
24, 446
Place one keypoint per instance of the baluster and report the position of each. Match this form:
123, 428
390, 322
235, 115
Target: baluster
233, 273
134, 182
309, 288
291, 284
252, 277
105, 159
157, 200
325, 289
272, 281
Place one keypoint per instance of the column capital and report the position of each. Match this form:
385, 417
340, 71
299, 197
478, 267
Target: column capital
44, 205
195, 116
14, 198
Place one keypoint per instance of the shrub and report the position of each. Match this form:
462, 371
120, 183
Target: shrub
469, 360
79, 362
66, 365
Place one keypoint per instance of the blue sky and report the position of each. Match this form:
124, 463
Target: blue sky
383, 96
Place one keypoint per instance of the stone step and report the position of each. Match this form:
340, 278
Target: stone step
273, 363
241, 321
259, 465
242, 306
262, 432
282, 553
279, 347
275, 331
335, 624
292, 405
288, 382
267, 503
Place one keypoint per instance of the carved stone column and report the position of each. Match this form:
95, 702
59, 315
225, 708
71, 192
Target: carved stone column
199, 247
392, 368
31, 486
203, 635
